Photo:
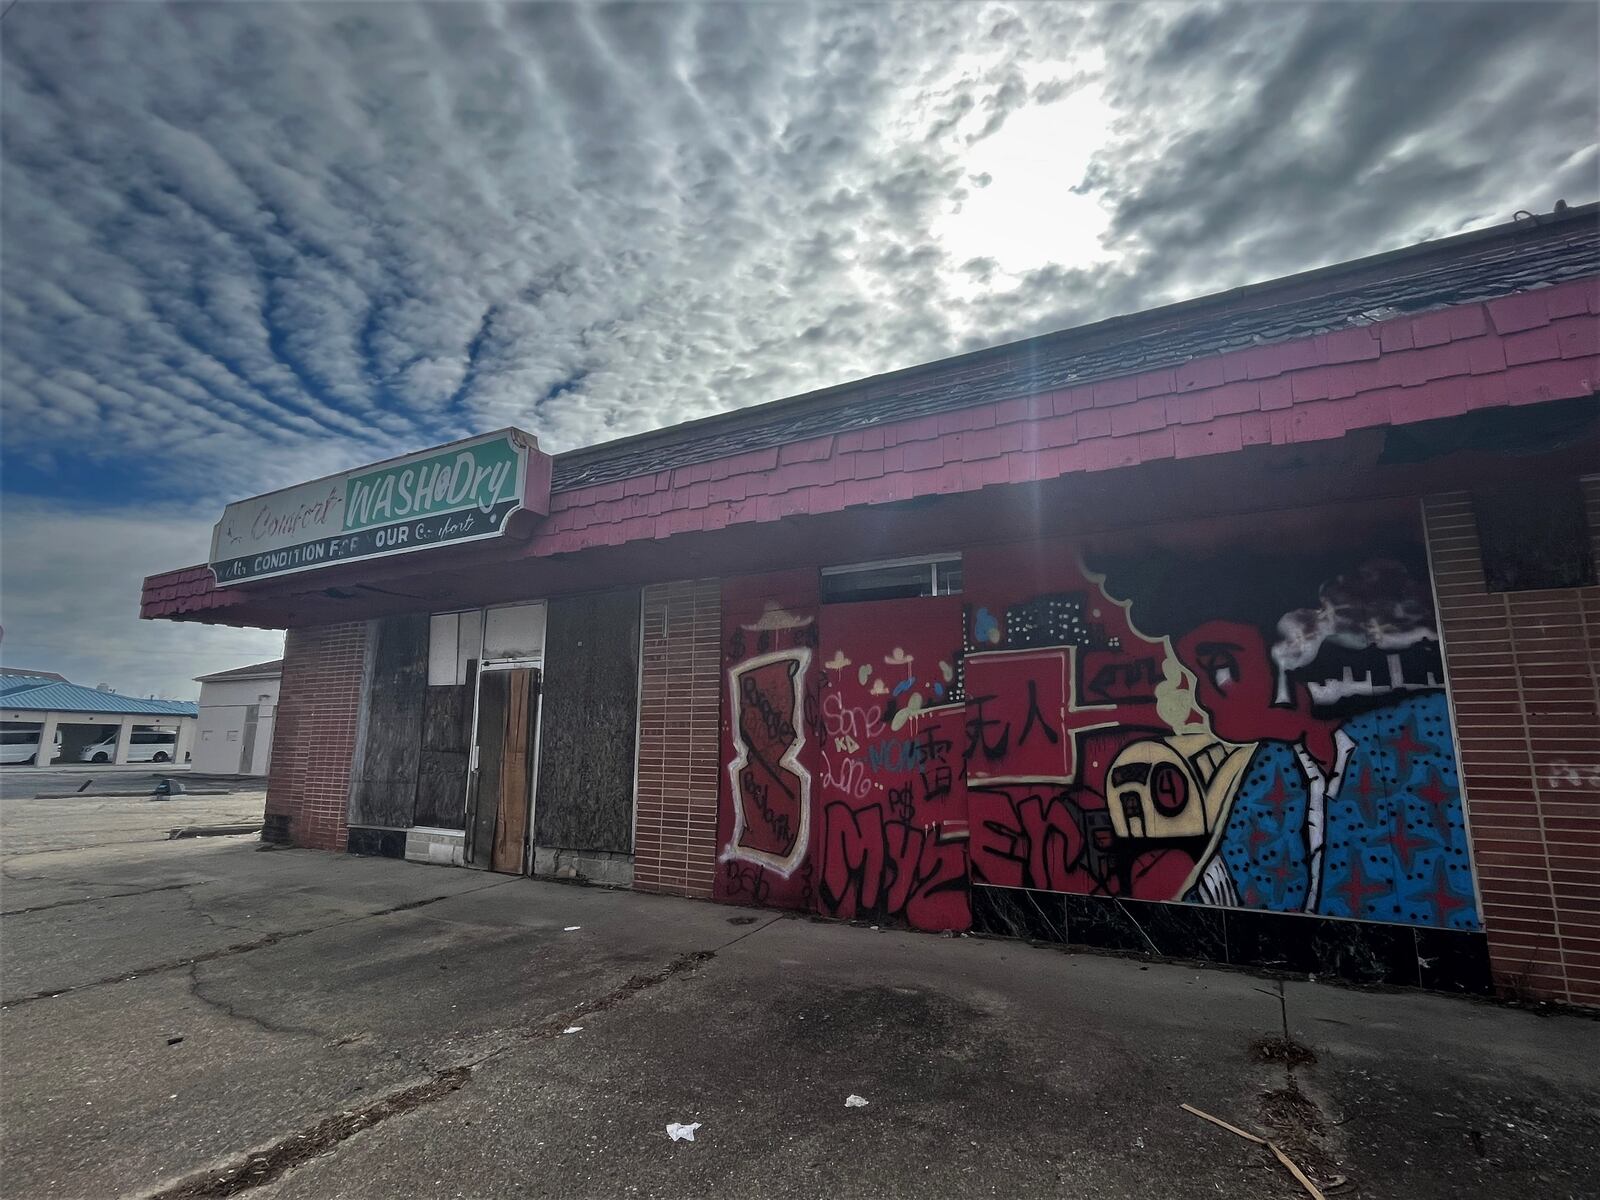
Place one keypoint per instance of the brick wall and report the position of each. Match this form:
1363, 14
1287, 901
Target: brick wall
313, 741
675, 828
1525, 681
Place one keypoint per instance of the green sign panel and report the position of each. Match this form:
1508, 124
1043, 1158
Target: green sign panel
458, 493
479, 477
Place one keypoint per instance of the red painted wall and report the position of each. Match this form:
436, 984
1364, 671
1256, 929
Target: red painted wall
1216, 714
767, 828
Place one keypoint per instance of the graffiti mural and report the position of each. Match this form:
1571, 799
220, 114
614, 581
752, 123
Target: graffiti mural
1216, 728
771, 790
894, 841
768, 810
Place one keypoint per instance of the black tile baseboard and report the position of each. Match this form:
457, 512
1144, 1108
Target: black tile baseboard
1441, 960
376, 843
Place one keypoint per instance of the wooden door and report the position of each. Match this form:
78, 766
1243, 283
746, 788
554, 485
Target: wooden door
508, 708
516, 772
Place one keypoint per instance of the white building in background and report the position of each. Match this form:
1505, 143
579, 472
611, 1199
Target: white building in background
236, 712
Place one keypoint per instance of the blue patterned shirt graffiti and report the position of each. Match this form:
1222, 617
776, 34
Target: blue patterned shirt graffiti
1382, 839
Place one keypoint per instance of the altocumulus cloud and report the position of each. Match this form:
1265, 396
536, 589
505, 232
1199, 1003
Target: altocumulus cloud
246, 245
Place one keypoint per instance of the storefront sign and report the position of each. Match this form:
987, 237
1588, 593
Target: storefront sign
464, 492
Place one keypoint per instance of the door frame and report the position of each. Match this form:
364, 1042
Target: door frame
485, 666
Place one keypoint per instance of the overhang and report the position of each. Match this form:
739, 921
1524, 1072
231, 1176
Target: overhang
1271, 395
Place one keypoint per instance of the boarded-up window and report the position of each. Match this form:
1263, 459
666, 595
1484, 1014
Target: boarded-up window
384, 790
584, 799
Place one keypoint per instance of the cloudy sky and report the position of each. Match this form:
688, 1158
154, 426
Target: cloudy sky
248, 244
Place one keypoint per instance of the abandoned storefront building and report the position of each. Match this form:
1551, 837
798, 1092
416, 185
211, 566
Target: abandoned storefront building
1259, 629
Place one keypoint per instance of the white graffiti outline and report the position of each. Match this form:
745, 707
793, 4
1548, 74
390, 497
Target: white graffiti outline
784, 865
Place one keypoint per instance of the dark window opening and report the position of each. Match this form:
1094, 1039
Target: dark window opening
891, 580
1534, 536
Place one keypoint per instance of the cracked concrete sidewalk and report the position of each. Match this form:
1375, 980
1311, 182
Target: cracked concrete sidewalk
190, 1019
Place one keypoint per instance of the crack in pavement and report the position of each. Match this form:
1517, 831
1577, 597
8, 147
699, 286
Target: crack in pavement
260, 943
37, 908
196, 989
255, 1168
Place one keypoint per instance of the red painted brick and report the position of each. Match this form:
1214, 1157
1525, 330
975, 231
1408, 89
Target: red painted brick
1276, 393
1351, 345
1579, 337
1154, 383
1394, 336
1511, 314
1239, 397
1199, 373
1255, 428
1188, 410
1430, 329
1468, 321
1108, 393
1571, 299
1486, 355
1560, 380
1094, 423
1534, 345
1072, 400
1139, 417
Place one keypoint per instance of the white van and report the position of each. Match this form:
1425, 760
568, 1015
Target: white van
22, 746
154, 745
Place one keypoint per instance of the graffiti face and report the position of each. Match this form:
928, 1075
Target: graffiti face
1174, 787
1294, 759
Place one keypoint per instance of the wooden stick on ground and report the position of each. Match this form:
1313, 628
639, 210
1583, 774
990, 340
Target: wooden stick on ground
1283, 1158
1288, 1162
1205, 1116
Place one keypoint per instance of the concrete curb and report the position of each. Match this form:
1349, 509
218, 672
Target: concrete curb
199, 831
147, 794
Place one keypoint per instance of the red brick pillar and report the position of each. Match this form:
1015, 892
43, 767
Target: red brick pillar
1525, 685
675, 822
314, 735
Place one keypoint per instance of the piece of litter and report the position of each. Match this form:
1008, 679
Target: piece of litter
571, 928
1311, 1189
1288, 1163
682, 1133
854, 1101
1205, 1116
573, 1029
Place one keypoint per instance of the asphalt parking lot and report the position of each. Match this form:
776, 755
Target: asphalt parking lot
210, 1018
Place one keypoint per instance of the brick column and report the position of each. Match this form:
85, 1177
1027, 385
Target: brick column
675, 821
314, 734
1524, 673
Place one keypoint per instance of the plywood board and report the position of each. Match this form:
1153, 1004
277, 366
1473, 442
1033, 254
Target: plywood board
442, 769
485, 804
385, 788
584, 800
